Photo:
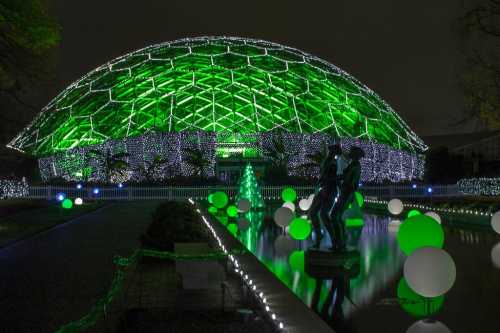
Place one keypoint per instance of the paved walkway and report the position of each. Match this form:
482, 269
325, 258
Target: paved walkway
56, 276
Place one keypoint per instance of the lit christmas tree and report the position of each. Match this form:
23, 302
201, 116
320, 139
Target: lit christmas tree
249, 188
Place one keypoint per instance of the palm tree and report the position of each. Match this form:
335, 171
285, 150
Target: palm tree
276, 153
150, 168
113, 163
194, 157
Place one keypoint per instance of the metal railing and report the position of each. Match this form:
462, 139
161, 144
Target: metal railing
200, 192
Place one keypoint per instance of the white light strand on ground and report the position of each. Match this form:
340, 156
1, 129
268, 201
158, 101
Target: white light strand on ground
259, 295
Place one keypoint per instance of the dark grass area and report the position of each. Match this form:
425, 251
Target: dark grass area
26, 218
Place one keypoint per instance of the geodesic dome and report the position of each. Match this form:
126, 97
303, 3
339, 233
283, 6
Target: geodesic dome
231, 87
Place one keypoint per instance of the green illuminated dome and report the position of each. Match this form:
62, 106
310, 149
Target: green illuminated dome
224, 85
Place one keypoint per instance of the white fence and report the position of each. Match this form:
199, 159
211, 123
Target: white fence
201, 192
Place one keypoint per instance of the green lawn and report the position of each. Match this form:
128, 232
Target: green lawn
28, 218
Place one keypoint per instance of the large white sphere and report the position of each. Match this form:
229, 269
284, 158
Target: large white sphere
78, 201
495, 255
495, 222
283, 245
304, 204
283, 216
243, 223
430, 271
393, 226
395, 206
290, 205
243, 205
428, 326
435, 216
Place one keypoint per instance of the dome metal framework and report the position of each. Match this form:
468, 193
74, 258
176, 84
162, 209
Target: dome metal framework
231, 86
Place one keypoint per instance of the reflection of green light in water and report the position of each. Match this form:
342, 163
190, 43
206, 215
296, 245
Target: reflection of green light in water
212, 210
67, 204
232, 211
233, 228
354, 223
415, 304
296, 260
300, 229
289, 194
419, 231
413, 212
359, 198
220, 199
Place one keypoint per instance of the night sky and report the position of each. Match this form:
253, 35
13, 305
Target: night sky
405, 51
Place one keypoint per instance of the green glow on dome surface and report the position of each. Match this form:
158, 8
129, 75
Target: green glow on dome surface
215, 84
288, 194
300, 228
416, 305
419, 231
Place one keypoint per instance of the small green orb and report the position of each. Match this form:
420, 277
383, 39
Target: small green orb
359, 199
299, 228
212, 210
416, 305
354, 222
67, 204
419, 231
210, 198
413, 212
296, 260
219, 199
232, 211
288, 194
233, 228
223, 219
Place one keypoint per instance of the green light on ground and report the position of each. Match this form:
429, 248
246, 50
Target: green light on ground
300, 228
289, 194
419, 231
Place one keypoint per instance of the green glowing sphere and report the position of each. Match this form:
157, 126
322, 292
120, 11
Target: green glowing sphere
67, 204
413, 212
354, 222
233, 228
211, 198
232, 211
359, 199
419, 231
289, 194
220, 199
212, 210
300, 228
416, 305
296, 260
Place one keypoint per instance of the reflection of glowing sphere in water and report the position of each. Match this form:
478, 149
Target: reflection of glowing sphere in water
283, 216
419, 231
296, 260
233, 228
428, 326
495, 255
243, 205
232, 211
429, 271
300, 229
243, 223
415, 304
495, 222
289, 194
435, 216
413, 212
395, 206
219, 199
304, 204
283, 245
290, 205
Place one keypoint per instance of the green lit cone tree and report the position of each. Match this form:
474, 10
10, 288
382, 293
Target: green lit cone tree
249, 188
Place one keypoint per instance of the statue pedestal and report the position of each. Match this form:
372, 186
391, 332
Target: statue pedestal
325, 264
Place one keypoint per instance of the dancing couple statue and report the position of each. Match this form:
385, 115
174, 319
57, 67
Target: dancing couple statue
339, 179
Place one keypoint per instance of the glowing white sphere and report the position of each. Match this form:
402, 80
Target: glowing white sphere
428, 326
430, 271
243, 205
495, 255
283, 245
290, 205
495, 222
243, 223
435, 216
395, 206
305, 204
283, 216
393, 226
78, 201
